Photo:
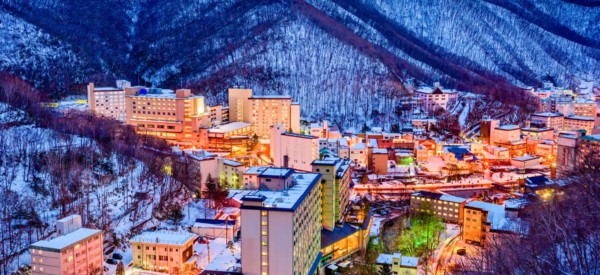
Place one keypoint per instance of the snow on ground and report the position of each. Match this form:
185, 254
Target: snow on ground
434, 164
376, 226
210, 250
8, 114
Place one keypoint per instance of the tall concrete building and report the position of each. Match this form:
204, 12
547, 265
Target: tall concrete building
281, 224
177, 117
486, 127
565, 152
76, 250
108, 101
588, 152
292, 150
263, 111
335, 189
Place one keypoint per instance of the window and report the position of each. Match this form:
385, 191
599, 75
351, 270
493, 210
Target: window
264, 243
264, 213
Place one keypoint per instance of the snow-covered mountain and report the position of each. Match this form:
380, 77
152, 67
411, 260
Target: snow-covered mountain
342, 58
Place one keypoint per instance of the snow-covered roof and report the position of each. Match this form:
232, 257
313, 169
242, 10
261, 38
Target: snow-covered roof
229, 127
232, 162
59, 243
271, 97
163, 237
548, 114
508, 127
256, 170
591, 137
496, 212
438, 196
409, 261
226, 260
585, 118
379, 151
526, 158
358, 146
103, 89
287, 199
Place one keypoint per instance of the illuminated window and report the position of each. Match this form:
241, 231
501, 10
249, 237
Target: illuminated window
264, 243
264, 213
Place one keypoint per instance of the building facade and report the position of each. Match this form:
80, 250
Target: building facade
108, 101
76, 250
263, 111
164, 251
176, 117
293, 150
335, 189
445, 207
281, 228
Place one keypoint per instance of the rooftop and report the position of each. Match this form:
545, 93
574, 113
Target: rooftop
271, 97
64, 241
229, 127
232, 163
438, 196
102, 89
387, 259
548, 114
591, 137
526, 158
256, 170
508, 127
285, 200
585, 118
163, 237
276, 172
539, 182
290, 134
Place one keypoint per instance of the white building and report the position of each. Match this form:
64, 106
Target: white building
359, 155
76, 250
293, 150
433, 98
281, 227
108, 101
506, 134
263, 111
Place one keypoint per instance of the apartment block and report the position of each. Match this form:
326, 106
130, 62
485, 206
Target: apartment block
335, 189
108, 101
263, 111
445, 207
433, 98
281, 226
164, 251
76, 250
552, 120
574, 123
577, 107
588, 152
481, 220
177, 117
293, 150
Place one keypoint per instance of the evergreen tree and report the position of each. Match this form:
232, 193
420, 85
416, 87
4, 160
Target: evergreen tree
385, 270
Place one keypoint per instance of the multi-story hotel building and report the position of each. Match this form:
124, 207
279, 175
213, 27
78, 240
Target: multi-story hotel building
164, 251
565, 152
482, 220
577, 107
486, 127
176, 117
281, 226
574, 123
552, 120
433, 98
76, 251
446, 207
263, 111
335, 189
588, 152
293, 150
108, 101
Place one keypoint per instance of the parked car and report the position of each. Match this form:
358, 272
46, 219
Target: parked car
111, 261
117, 256
201, 240
461, 251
